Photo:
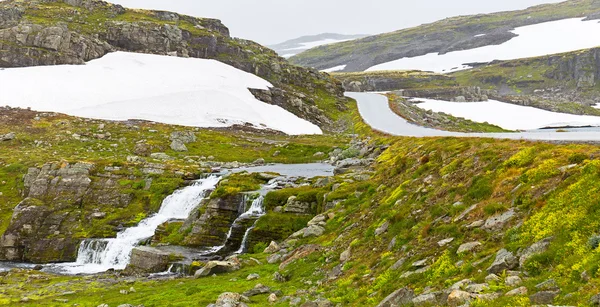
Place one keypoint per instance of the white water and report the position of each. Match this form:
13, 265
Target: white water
100, 255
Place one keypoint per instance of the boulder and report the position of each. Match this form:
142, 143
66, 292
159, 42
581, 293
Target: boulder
429, 299
272, 248
459, 297
149, 260
498, 221
513, 281
294, 206
536, 248
257, 290
217, 267
382, 229
543, 297
7, 137
230, 299
400, 297
504, 261
313, 231
184, 137
178, 145
468, 247
517, 292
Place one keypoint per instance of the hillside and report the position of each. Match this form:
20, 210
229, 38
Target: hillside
445, 36
428, 222
34, 33
566, 82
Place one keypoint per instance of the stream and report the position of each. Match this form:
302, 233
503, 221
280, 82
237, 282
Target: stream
101, 255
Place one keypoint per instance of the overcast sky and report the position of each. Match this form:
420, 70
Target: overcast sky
274, 21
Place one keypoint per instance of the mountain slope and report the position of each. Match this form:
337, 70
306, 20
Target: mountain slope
448, 35
34, 33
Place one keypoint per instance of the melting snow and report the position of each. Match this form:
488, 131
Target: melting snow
534, 40
334, 69
508, 116
171, 90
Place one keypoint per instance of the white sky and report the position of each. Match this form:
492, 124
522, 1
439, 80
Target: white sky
274, 21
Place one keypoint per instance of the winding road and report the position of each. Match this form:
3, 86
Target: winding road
375, 110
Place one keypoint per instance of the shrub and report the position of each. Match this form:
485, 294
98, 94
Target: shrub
259, 247
577, 158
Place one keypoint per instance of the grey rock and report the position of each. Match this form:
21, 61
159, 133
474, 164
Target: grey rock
8, 137
468, 247
313, 231
498, 221
548, 285
513, 281
178, 145
543, 297
400, 297
517, 292
536, 248
258, 289
477, 288
382, 229
217, 267
272, 248
504, 261
149, 260
161, 156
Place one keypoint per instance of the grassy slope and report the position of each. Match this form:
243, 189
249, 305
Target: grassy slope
417, 185
50, 139
375, 46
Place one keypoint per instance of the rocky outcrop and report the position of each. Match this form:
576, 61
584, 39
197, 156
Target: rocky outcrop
210, 224
59, 198
51, 32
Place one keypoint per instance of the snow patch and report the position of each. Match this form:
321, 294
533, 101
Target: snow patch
534, 40
508, 116
170, 90
334, 69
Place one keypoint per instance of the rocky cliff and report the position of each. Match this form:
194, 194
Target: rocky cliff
51, 32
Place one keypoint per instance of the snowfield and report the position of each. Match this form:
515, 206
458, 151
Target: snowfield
534, 40
508, 116
170, 90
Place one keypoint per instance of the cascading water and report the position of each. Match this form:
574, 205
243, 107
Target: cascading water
251, 215
100, 255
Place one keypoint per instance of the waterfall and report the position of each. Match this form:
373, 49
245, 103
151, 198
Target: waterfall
253, 213
99, 255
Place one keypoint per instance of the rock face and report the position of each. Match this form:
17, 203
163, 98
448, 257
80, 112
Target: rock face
74, 32
44, 225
